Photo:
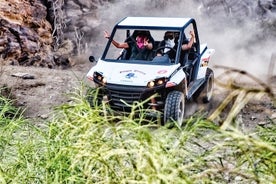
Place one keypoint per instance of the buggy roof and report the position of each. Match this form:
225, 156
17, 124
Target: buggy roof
154, 22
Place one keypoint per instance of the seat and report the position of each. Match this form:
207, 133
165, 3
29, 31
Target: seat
125, 54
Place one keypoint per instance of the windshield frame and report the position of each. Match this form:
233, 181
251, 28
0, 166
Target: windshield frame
128, 29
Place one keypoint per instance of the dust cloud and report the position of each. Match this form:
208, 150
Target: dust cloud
236, 34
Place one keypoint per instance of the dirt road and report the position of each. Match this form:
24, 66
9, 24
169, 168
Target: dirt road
40, 90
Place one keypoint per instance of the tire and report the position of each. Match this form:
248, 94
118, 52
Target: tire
93, 97
174, 108
208, 86
205, 92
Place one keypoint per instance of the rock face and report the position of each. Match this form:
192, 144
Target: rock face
260, 11
80, 18
45, 33
25, 34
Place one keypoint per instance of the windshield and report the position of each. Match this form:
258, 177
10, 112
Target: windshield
143, 46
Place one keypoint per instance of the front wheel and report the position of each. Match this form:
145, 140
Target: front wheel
94, 97
174, 107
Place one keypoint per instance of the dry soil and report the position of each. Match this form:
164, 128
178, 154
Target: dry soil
40, 90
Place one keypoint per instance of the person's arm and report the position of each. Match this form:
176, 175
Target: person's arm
115, 43
190, 43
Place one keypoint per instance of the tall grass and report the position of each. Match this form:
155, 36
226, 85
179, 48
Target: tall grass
88, 145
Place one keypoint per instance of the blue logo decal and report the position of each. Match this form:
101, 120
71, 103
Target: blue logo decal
130, 75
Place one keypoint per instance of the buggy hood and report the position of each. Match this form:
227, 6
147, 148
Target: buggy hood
131, 74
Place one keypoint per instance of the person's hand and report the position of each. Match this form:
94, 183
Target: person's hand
106, 35
146, 42
192, 33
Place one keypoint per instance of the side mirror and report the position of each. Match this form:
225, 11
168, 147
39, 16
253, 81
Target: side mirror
92, 59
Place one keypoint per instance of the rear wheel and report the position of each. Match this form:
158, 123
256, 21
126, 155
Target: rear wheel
209, 86
205, 92
174, 107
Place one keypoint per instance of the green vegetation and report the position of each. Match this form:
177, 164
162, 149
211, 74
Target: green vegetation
87, 145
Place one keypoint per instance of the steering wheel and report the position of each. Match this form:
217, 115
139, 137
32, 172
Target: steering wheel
163, 47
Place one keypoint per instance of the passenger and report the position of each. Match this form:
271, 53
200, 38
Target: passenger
139, 44
184, 55
186, 45
170, 44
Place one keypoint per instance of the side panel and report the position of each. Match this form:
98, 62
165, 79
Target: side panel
178, 79
204, 61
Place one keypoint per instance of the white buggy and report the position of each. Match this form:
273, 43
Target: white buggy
164, 83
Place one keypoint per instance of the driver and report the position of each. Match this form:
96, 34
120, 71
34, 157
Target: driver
166, 44
170, 43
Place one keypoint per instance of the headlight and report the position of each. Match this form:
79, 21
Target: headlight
99, 78
157, 82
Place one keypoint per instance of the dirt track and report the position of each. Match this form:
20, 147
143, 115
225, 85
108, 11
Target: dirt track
39, 90
49, 87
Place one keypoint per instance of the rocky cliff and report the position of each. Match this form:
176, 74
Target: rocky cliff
47, 33
43, 33
262, 12
25, 34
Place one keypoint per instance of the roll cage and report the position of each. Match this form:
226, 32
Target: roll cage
157, 23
